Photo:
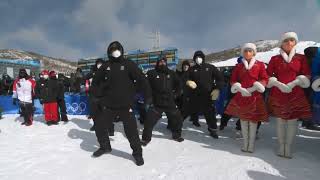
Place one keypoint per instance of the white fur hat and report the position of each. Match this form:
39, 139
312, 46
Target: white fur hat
289, 35
249, 46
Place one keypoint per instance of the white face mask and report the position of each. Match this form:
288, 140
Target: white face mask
46, 76
199, 60
116, 54
99, 65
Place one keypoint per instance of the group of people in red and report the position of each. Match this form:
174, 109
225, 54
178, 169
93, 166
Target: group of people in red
286, 74
47, 89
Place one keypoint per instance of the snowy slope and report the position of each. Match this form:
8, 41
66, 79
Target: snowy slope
63, 152
266, 56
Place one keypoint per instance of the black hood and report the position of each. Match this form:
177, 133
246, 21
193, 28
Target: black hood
23, 74
199, 54
162, 69
185, 63
115, 46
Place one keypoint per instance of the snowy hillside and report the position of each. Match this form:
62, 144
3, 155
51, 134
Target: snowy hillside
59, 65
63, 152
266, 56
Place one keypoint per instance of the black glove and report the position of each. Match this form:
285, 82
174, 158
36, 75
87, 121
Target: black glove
41, 101
147, 107
14, 101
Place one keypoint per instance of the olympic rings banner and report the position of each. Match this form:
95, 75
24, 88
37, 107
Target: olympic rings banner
75, 105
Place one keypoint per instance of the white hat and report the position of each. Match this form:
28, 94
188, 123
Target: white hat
289, 35
251, 46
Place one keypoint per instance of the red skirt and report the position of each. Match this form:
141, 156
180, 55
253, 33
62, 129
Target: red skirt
250, 108
50, 111
288, 106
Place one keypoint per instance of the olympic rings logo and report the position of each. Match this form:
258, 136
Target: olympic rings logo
76, 108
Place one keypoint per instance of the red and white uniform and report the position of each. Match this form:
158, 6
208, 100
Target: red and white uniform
23, 89
293, 105
248, 108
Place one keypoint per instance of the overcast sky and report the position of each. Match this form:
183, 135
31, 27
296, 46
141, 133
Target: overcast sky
82, 28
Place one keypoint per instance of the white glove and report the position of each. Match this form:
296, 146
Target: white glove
273, 81
236, 87
316, 85
214, 94
191, 84
301, 81
257, 86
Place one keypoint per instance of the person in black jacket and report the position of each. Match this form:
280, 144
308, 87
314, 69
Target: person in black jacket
165, 86
118, 88
205, 81
183, 101
47, 92
95, 78
6, 84
60, 99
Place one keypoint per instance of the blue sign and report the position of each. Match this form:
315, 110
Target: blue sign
75, 104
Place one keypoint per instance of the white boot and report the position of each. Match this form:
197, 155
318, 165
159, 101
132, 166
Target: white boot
290, 136
245, 135
252, 136
281, 131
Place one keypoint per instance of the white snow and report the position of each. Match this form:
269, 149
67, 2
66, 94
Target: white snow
266, 56
63, 152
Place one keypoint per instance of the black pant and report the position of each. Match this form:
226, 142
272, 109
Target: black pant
63, 109
153, 116
96, 109
104, 122
26, 111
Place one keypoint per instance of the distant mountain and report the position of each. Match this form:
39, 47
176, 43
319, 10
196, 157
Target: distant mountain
265, 54
56, 64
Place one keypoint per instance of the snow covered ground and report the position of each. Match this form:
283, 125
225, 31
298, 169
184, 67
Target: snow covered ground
63, 152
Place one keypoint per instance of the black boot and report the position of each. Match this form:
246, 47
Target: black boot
101, 151
144, 142
49, 123
24, 123
111, 133
92, 128
196, 123
213, 133
64, 118
139, 160
177, 137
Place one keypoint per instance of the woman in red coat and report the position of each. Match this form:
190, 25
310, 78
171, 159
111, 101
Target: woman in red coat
248, 81
289, 73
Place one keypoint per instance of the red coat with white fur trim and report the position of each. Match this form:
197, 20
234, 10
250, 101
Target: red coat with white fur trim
292, 105
250, 108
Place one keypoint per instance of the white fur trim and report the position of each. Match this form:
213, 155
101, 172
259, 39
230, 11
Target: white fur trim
244, 92
250, 65
235, 87
316, 85
249, 46
289, 35
259, 87
285, 55
272, 82
304, 82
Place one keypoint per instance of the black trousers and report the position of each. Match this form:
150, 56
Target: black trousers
63, 109
26, 111
104, 122
153, 116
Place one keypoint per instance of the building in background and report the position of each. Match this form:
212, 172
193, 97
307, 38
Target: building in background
12, 66
146, 60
